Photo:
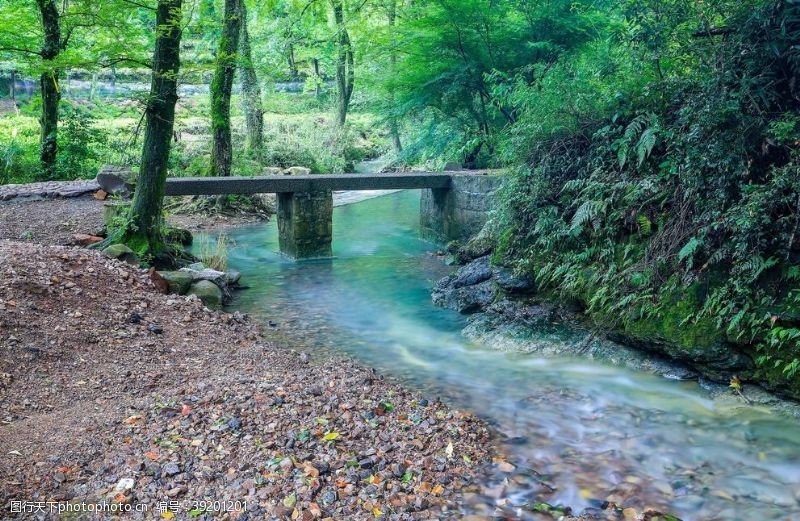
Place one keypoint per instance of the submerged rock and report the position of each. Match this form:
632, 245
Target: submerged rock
208, 292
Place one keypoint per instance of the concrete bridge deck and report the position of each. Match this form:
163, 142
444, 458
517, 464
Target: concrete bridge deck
273, 184
453, 205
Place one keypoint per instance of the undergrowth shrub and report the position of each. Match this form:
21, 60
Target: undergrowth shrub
638, 187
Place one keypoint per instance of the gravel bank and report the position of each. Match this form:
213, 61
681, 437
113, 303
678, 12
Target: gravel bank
113, 393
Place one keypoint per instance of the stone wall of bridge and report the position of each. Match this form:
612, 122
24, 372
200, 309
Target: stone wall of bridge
460, 211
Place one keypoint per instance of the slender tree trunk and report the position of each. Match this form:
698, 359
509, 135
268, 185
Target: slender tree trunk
221, 86
394, 129
293, 71
345, 73
13, 87
113, 80
51, 93
144, 234
251, 92
93, 90
318, 79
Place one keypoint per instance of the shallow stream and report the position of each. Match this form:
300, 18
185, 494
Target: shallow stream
591, 432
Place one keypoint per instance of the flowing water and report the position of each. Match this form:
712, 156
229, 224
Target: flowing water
590, 432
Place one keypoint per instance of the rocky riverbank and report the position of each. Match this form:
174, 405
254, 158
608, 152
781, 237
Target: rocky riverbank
506, 313
115, 394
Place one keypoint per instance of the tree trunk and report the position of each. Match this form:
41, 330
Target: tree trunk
394, 129
318, 79
345, 73
251, 92
293, 70
221, 86
13, 87
144, 233
51, 93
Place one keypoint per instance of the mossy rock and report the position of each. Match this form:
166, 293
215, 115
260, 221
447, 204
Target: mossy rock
696, 342
208, 292
178, 236
123, 253
179, 282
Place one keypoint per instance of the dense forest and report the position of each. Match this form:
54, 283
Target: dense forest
652, 145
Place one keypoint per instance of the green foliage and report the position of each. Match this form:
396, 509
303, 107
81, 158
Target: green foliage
80, 144
683, 173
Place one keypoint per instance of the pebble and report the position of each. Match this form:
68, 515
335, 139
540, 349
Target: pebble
170, 469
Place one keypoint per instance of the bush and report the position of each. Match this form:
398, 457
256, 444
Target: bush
637, 189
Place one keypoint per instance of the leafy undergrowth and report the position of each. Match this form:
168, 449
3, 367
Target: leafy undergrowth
672, 208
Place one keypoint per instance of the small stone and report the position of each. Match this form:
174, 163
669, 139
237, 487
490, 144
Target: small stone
124, 484
83, 239
328, 497
235, 424
135, 318
170, 469
155, 329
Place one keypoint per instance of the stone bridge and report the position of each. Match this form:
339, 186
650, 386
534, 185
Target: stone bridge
454, 205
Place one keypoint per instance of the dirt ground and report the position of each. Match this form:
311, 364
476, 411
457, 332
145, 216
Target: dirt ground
113, 393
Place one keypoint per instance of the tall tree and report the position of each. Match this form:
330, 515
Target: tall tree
345, 69
221, 86
251, 91
144, 232
51, 93
394, 128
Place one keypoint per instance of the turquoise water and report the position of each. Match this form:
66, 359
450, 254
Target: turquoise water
589, 432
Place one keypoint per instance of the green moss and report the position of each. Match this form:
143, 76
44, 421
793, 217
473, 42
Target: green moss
776, 380
673, 323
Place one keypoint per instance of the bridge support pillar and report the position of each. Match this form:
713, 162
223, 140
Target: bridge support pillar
305, 224
459, 211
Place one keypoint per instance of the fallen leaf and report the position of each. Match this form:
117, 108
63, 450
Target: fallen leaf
437, 490
130, 420
449, 450
167, 515
151, 455
331, 436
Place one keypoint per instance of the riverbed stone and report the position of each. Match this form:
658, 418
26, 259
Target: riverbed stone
121, 252
208, 292
178, 281
466, 299
473, 273
511, 282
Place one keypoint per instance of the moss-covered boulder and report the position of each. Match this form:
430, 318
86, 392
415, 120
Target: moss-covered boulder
697, 342
208, 292
178, 236
179, 282
123, 253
